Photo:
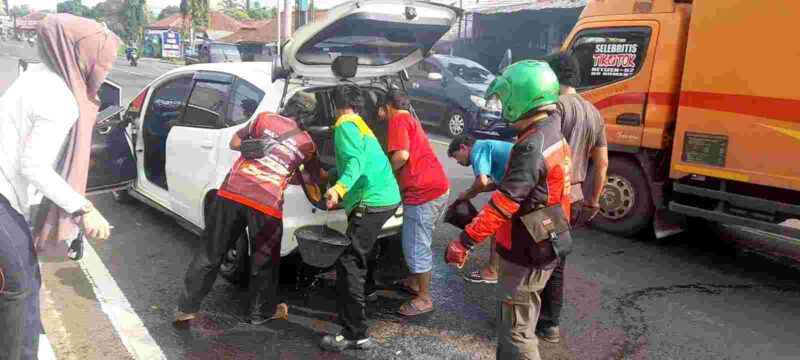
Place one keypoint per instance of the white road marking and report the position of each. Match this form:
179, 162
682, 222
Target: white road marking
129, 326
50, 310
439, 142
45, 349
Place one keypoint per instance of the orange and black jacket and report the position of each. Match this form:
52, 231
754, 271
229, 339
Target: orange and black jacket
537, 175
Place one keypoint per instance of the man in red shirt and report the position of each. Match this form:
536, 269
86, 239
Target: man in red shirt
424, 187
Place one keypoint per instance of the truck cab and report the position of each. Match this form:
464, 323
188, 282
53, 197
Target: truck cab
695, 126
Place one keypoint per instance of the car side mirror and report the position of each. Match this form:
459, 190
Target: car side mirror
435, 76
505, 62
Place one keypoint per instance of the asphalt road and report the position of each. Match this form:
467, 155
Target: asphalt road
691, 296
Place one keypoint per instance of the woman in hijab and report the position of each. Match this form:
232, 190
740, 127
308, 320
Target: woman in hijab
46, 121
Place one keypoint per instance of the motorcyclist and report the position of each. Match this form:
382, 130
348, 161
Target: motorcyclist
537, 179
132, 54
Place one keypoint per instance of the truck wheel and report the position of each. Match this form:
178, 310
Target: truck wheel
626, 207
235, 264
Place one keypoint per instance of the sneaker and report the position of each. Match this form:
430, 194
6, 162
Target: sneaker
339, 343
549, 334
181, 316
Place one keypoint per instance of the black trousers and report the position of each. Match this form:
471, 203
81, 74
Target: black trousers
225, 224
351, 271
553, 293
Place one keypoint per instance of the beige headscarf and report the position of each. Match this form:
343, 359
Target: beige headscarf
82, 51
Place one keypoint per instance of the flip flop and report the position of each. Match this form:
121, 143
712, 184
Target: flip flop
399, 285
475, 277
409, 309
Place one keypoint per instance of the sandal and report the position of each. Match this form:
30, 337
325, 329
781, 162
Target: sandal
475, 277
400, 285
409, 309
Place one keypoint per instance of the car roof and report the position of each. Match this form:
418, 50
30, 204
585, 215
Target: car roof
257, 73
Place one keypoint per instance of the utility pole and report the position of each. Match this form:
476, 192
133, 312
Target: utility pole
287, 21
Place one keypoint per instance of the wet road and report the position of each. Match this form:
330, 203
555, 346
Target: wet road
687, 297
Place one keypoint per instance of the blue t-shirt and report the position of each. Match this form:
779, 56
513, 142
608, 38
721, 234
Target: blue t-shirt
490, 158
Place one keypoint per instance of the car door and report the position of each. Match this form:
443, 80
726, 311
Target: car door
111, 161
163, 105
432, 92
416, 93
193, 144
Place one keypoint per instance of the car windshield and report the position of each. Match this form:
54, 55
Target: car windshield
226, 50
469, 72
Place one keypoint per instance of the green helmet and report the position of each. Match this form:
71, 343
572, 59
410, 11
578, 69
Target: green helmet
522, 87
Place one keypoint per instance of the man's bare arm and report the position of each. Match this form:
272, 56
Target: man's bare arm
599, 177
398, 159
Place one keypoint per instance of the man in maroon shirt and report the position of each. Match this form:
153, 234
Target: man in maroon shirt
252, 196
424, 187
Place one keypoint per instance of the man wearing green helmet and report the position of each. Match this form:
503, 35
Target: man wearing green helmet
537, 177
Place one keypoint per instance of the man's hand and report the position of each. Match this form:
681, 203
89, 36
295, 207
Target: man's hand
331, 198
456, 254
592, 208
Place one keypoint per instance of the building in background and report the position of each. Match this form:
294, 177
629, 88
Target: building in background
530, 28
26, 26
258, 40
160, 34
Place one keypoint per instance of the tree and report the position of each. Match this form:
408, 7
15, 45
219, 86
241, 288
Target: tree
134, 13
169, 11
232, 4
74, 7
257, 12
198, 11
20, 10
238, 14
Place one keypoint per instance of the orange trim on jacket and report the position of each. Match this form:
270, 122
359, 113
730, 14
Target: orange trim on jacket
271, 211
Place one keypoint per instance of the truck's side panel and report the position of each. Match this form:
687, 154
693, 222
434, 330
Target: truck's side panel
739, 115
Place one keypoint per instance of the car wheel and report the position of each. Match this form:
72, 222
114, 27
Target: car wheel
626, 207
122, 197
455, 123
235, 263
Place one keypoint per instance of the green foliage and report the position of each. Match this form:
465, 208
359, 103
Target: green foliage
232, 4
74, 7
169, 11
198, 10
236, 13
134, 14
20, 10
258, 12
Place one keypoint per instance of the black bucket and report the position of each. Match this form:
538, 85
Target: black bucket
320, 246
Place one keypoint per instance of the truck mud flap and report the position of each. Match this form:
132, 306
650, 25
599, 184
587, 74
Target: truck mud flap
730, 219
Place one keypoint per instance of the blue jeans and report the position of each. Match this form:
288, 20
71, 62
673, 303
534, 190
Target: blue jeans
20, 281
418, 224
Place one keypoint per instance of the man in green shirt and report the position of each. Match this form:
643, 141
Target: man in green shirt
368, 191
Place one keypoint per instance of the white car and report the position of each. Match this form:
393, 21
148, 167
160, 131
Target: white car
181, 124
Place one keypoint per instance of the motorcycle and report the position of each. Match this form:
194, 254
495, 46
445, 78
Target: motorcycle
133, 57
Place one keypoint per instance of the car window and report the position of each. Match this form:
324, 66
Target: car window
166, 103
609, 55
206, 105
244, 101
469, 72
